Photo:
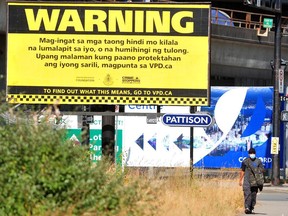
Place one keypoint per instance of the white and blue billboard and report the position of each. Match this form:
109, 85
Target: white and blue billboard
242, 119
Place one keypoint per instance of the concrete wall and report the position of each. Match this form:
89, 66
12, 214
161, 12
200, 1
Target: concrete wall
239, 52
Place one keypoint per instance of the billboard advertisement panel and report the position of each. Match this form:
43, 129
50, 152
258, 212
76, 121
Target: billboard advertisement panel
242, 118
108, 53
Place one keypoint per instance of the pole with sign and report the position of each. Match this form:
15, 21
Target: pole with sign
276, 9
276, 107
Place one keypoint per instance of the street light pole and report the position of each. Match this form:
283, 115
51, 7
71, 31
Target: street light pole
276, 108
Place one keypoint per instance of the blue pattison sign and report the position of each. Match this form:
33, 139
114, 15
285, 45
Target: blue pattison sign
188, 120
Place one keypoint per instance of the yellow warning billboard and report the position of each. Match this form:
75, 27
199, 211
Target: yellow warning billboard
124, 53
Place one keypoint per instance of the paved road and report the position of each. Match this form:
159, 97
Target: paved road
272, 201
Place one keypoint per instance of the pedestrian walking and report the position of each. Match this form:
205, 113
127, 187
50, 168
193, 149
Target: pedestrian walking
252, 180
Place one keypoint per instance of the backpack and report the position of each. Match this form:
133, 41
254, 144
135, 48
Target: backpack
256, 177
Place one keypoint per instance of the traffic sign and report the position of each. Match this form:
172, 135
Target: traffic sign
267, 23
284, 116
274, 145
187, 120
281, 81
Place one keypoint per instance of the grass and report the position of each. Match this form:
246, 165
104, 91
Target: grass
200, 196
179, 195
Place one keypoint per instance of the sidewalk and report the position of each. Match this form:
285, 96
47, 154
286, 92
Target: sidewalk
272, 201
282, 187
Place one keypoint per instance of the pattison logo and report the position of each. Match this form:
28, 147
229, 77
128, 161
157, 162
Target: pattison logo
126, 21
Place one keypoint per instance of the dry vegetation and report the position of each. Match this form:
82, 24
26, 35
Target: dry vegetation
180, 195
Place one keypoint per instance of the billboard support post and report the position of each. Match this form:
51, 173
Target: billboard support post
192, 110
108, 134
85, 127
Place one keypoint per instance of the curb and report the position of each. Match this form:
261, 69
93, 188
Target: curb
281, 187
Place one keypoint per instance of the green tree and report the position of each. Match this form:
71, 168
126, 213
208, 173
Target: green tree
41, 173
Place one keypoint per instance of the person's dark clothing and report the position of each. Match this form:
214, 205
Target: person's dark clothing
250, 195
250, 192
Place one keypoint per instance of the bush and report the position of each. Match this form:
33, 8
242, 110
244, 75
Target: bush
43, 174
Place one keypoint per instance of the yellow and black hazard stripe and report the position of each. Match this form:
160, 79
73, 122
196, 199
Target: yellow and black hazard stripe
84, 99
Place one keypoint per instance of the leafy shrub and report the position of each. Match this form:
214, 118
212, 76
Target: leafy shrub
43, 174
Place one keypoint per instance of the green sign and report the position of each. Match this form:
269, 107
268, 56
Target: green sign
267, 23
96, 143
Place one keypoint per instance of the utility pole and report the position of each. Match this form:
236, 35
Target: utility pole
276, 8
275, 178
